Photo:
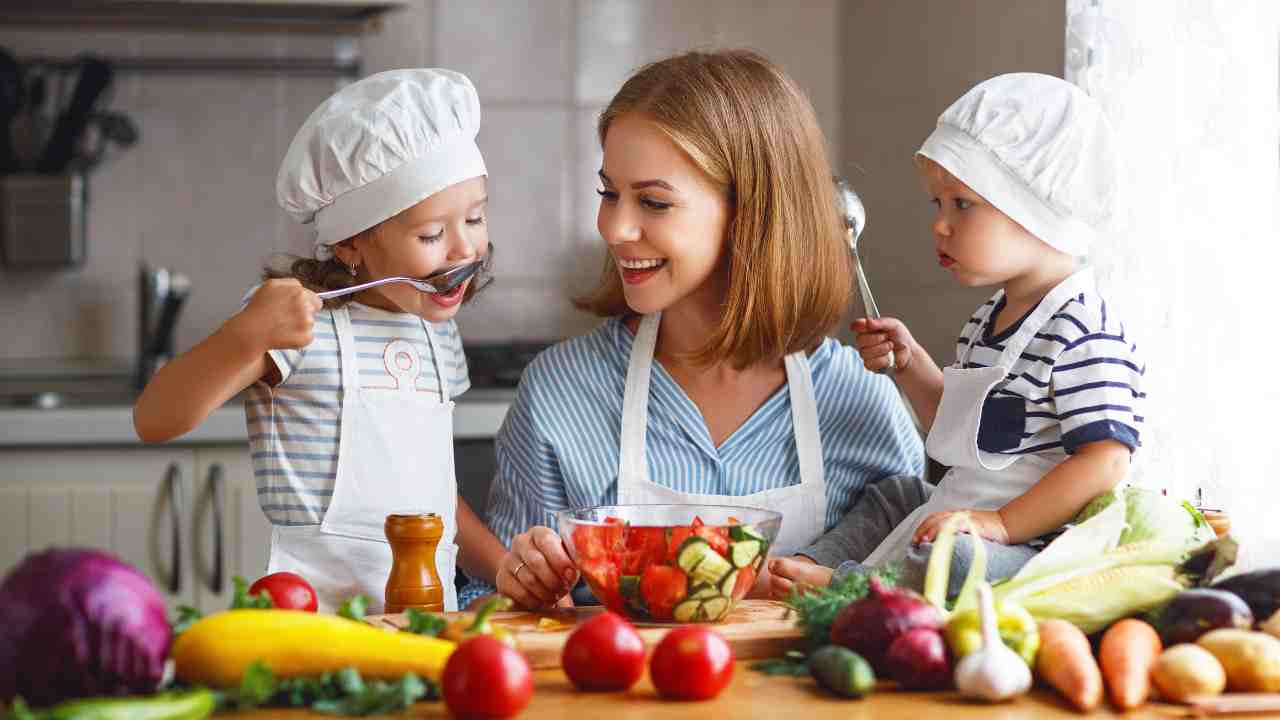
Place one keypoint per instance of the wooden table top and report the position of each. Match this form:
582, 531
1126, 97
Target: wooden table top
754, 695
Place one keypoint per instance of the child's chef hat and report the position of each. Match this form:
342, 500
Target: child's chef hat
377, 147
1037, 148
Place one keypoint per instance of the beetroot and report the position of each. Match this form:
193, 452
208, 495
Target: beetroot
870, 625
917, 660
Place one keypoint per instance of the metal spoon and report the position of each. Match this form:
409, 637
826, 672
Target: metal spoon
855, 220
436, 283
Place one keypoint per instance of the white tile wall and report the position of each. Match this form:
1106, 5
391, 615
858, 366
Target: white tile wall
198, 192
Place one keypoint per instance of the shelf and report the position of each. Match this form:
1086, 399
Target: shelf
332, 17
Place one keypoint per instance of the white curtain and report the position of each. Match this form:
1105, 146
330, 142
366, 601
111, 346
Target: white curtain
1192, 87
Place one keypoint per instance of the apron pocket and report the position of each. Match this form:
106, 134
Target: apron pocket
1004, 419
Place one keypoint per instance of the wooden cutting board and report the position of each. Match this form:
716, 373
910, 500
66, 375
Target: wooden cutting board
755, 629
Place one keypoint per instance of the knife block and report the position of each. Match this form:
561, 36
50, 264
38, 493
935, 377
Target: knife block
42, 220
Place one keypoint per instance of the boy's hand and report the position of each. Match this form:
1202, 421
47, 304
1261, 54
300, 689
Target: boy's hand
785, 574
280, 315
876, 338
988, 523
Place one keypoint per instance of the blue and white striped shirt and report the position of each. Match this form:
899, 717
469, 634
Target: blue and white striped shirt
295, 476
1078, 381
558, 447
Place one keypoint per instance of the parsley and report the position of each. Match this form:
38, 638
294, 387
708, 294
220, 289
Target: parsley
424, 623
242, 599
818, 607
354, 609
187, 616
342, 693
792, 664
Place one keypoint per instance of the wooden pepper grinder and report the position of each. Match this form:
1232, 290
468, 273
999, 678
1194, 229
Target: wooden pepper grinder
414, 581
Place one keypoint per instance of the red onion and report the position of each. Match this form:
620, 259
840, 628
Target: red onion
917, 660
870, 625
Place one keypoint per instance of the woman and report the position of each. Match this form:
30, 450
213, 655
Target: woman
727, 266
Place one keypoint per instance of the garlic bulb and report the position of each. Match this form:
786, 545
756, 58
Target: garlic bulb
993, 672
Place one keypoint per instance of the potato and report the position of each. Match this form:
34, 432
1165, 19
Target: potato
1186, 670
1251, 659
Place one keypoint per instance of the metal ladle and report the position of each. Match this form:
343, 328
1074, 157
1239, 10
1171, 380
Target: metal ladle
436, 283
855, 220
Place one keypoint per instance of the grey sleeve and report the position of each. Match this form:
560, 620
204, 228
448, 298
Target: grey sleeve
877, 512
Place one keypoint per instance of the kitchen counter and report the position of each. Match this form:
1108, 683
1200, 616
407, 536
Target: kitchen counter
753, 695
478, 414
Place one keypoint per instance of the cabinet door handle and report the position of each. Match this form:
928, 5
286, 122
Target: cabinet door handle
173, 479
217, 491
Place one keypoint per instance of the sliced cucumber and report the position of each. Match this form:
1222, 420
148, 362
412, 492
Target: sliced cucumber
691, 554
744, 552
715, 608
739, 533
687, 611
726, 585
703, 592
712, 569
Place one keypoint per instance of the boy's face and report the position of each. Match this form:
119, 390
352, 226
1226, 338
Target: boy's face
979, 244
443, 231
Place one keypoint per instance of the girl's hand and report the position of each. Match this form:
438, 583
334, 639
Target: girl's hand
280, 315
537, 572
988, 523
875, 338
785, 574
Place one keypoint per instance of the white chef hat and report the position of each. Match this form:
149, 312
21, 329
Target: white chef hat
1037, 148
377, 147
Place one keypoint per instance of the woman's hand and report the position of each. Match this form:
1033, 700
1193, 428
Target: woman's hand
877, 337
537, 573
988, 524
782, 575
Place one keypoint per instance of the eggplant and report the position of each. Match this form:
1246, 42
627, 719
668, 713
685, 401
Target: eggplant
1195, 612
1260, 590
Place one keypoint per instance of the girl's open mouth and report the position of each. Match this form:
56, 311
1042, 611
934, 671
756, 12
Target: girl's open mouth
451, 298
946, 260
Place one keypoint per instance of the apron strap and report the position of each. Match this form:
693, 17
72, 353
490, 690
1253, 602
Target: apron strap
633, 468
437, 361
804, 420
1079, 281
346, 347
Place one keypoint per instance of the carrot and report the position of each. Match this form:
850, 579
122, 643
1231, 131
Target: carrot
1128, 652
1066, 662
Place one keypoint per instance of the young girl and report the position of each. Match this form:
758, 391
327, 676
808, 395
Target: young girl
1041, 409
711, 379
349, 405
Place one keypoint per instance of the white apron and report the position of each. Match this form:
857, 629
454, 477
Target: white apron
395, 455
803, 506
978, 479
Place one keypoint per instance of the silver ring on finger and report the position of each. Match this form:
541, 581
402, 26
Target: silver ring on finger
516, 573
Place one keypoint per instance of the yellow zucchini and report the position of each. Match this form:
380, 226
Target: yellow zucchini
216, 650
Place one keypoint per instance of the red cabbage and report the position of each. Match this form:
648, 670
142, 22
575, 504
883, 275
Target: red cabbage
77, 623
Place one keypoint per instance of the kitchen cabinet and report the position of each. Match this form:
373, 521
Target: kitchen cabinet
187, 517
342, 17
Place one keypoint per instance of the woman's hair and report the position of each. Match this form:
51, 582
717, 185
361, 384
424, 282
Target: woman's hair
331, 274
747, 125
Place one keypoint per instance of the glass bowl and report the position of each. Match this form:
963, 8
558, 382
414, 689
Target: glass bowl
669, 563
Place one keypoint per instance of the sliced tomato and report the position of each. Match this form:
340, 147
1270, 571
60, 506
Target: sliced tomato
676, 536
746, 579
716, 537
596, 542
645, 546
662, 587
604, 578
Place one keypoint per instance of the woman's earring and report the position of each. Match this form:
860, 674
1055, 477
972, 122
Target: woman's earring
353, 269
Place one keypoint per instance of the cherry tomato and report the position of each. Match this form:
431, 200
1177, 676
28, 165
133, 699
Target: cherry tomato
717, 537
604, 653
691, 663
676, 539
485, 678
746, 579
288, 591
662, 588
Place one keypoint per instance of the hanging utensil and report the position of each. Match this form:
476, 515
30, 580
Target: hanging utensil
855, 220
436, 283
95, 78
11, 96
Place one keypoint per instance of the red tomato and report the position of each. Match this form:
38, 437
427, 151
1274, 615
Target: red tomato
662, 587
604, 653
746, 579
644, 547
485, 678
593, 542
691, 663
288, 591
677, 538
604, 579
717, 537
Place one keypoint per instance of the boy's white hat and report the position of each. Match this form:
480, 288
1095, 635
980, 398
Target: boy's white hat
377, 147
1037, 148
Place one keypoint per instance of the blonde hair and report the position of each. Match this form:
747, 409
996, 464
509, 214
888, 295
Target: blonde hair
747, 125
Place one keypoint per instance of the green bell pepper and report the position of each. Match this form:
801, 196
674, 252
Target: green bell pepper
1016, 627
